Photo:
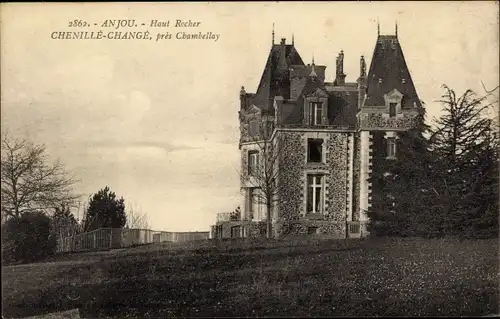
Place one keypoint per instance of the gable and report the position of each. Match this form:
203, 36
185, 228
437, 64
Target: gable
319, 93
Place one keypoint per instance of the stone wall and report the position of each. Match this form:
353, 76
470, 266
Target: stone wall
292, 182
255, 229
311, 227
336, 182
244, 166
355, 191
248, 229
378, 121
291, 179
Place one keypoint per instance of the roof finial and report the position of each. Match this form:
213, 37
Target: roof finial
293, 39
378, 28
396, 28
273, 33
313, 60
313, 72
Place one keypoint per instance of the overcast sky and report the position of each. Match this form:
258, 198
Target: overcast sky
158, 121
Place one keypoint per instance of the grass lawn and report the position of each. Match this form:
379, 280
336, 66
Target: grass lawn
292, 277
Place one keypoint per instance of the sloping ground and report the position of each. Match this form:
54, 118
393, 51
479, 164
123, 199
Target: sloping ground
293, 277
69, 314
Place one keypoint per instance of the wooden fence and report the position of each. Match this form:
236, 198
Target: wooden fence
109, 238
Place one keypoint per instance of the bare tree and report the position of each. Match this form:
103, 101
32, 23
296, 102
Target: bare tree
136, 219
30, 182
263, 173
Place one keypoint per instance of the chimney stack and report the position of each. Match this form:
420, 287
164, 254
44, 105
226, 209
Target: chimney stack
340, 76
283, 47
362, 67
282, 65
243, 97
361, 82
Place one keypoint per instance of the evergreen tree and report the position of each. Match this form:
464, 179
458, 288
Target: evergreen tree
105, 210
64, 223
465, 141
401, 207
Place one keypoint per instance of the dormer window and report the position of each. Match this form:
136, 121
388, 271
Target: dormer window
403, 81
392, 109
393, 101
379, 80
316, 113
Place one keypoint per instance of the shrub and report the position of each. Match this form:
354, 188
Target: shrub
28, 238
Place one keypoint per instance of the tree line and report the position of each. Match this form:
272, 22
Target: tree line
37, 199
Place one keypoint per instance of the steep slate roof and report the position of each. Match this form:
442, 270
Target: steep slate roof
388, 63
305, 70
342, 105
275, 80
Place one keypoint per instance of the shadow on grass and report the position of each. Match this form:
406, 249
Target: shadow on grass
280, 279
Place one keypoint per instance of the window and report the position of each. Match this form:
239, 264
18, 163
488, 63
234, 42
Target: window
250, 200
253, 162
314, 193
312, 230
314, 151
236, 232
253, 202
316, 113
391, 148
392, 109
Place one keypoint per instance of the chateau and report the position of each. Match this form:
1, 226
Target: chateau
309, 145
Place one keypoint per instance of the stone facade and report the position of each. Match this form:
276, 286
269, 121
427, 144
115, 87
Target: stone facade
343, 125
380, 121
311, 227
294, 169
291, 176
356, 176
336, 189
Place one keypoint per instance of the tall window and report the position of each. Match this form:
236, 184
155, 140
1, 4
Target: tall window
316, 113
253, 162
236, 231
391, 148
315, 193
314, 150
253, 204
392, 109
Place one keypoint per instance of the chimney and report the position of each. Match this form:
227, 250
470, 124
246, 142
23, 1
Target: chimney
340, 76
283, 48
282, 65
361, 82
243, 98
362, 67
